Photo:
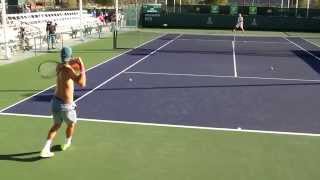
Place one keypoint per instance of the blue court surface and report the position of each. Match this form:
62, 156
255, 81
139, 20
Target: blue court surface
253, 83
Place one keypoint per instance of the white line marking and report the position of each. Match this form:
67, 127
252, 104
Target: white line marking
218, 76
282, 79
175, 126
303, 49
177, 74
228, 40
24, 115
106, 61
25, 99
234, 59
116, 75
311, 42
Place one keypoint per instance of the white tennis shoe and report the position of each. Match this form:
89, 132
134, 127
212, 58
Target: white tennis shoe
46, 154
65, 146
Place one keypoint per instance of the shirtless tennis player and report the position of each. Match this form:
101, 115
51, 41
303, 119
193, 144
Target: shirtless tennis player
62, 104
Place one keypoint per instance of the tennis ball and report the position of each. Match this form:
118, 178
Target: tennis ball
271, 68
75, 65
130, 79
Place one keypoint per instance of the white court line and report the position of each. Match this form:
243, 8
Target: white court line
218, 76
106, 61
177, 74
263, 42
234, 59
228, 40
311, 42
116, 75
303, 49
24, 115
175, 126
280, 79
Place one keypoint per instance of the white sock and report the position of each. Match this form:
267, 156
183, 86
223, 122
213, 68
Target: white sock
68, 140
47, 145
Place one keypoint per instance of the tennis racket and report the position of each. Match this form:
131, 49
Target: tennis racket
47, 69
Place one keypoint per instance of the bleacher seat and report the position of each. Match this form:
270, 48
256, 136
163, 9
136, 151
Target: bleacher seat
35, 23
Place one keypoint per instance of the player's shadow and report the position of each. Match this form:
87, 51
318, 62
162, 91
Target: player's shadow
43, 97
48, 97
28, 156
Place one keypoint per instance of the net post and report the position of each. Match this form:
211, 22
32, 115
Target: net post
115, 34
308, 6
81, 20
117, 13
297, 4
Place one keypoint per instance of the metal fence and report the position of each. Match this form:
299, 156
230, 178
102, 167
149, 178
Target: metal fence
245, 10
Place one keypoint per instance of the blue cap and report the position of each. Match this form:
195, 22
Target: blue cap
66, 54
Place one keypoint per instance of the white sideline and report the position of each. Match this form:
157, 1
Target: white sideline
234, 59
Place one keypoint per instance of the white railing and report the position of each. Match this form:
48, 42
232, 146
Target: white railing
35, 26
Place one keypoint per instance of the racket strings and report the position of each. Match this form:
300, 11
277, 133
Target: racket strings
48, 69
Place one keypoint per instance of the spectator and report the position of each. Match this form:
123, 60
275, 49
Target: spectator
51, 34
101, 18
94, 13
22, 38
106, 17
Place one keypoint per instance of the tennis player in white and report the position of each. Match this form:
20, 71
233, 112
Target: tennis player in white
239, 23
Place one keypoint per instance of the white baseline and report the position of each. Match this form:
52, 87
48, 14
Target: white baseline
176, 126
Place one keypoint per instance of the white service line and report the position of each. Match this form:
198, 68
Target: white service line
234, 59
175, 126
116, 75
318, 58
281, 79
106, 61
228, 40
219, 76
177, 74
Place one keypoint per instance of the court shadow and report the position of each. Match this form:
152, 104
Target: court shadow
56, 148
313, 62
43, 97
28, 156
48, 97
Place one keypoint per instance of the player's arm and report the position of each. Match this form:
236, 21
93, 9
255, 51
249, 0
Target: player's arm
80, 79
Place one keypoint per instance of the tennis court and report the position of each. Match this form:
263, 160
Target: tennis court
171, 108
234, 83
